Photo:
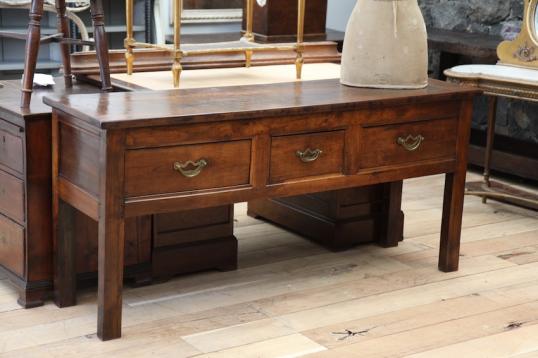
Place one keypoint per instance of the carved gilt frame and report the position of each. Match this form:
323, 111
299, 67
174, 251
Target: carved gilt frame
522, 51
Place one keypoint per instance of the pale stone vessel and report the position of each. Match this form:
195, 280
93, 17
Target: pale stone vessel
386, 45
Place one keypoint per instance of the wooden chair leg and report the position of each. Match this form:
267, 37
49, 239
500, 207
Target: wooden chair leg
101, 43
32, 50
63, 27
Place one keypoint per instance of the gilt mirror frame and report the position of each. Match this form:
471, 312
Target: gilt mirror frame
523, 50
532, 20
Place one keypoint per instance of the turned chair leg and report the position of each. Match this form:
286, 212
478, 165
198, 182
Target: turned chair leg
32, 50
101, 43
63, 27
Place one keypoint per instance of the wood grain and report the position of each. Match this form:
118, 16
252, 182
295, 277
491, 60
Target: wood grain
152, 109
12, 245
286, 165
11, 147
228, 164
496, 286
12, 197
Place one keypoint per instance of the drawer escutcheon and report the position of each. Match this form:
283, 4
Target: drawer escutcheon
191, 173
411, 143
309, 155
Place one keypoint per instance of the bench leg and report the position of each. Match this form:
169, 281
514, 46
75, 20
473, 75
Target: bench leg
64, 29
32, 49
101, 43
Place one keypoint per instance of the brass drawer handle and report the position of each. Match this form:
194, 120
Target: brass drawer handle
309, 155
411, 143
190, 173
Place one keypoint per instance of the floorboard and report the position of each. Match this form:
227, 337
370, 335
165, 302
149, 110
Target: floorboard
292, 298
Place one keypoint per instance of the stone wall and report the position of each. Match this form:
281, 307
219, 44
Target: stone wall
515, 119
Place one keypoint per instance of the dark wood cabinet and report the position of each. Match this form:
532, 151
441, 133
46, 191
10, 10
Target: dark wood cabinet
340, 219
156, 246
276, 21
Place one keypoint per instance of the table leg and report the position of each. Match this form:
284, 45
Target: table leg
129, 38
492, 114
63, 27
111, 238
101, 43
32, 49
65, 273
449, 253
394, 228
63, 221
111, 252
176, 66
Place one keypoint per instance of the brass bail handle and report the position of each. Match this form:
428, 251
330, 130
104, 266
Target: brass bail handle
197, 166
411, 143
309, 155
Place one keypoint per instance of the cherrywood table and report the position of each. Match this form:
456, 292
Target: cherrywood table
121, 155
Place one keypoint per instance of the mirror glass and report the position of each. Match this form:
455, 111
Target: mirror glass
535, 22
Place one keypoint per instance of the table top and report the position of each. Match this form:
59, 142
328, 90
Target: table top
505, 73
145, 109
10, 99
498, 80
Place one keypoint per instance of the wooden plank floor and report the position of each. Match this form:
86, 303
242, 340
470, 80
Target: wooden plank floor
291, 298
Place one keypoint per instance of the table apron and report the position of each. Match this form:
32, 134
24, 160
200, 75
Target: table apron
164, 203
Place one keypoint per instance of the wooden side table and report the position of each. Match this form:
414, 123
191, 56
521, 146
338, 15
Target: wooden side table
515, 76
34, 39
498, 81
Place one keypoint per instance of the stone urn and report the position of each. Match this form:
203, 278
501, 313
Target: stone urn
385, 46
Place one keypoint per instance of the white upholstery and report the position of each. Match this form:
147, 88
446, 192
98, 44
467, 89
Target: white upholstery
496, 72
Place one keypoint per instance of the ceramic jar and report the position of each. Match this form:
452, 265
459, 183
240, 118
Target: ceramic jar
385, 45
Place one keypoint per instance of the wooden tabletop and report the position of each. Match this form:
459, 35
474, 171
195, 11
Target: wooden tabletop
142, 109
10, 99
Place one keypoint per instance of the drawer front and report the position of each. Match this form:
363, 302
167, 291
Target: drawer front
408, 143
11, 149
12, 246
193, 226
12, 197
186, 168
306, 155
